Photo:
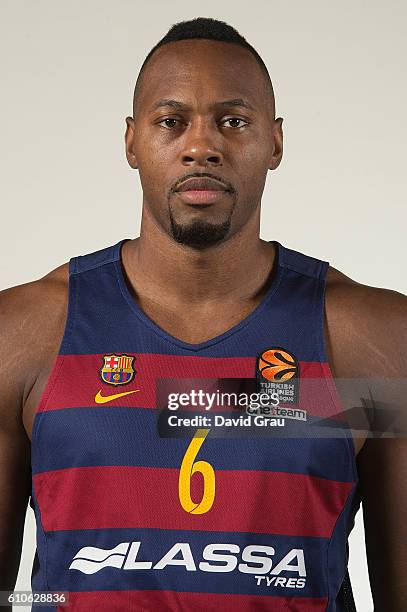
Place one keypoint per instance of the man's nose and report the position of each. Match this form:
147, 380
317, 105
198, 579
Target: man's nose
201, 147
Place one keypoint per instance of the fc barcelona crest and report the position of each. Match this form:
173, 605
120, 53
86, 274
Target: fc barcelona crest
117, 369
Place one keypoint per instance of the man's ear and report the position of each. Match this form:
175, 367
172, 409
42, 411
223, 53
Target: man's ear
128, 138
278, 144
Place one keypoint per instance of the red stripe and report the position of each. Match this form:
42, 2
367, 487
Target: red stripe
164, 601
75, 380
106, 497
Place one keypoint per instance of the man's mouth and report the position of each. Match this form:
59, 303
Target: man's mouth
202, 190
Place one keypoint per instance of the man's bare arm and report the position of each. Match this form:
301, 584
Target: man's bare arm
369, 341
31, 319
14, 443
382, 463
382, 466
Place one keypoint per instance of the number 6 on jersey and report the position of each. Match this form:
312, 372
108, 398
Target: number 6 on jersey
188, 468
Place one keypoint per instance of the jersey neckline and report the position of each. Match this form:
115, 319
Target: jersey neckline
118, 263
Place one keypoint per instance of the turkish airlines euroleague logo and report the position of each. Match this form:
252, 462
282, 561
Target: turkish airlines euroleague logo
277, 370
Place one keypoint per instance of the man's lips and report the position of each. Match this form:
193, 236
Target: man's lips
202, 196
202, 190
202, 184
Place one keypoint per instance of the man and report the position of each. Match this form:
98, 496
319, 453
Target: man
121, 521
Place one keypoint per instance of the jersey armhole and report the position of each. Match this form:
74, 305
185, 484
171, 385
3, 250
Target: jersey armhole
326, 371
64, 349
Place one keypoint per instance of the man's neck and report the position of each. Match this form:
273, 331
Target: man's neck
236, 270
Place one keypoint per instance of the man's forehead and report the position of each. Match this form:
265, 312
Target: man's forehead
180, 105
232, 77
200, 53
186, 96
200, 69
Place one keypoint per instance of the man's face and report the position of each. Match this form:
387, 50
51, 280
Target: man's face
190, 122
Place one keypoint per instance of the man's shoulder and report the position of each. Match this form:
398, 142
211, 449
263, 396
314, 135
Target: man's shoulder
348, 298
368, 323
32, 317
43, 295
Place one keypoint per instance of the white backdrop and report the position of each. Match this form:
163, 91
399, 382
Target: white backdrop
338, 69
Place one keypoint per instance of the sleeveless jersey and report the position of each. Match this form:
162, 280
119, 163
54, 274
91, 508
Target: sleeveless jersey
252, 515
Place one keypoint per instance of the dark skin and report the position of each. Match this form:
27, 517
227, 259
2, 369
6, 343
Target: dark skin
168, 145
365, 327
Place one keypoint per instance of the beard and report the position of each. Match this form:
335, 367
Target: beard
199, 234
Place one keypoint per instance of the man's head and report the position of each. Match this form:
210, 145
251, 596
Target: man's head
203, 107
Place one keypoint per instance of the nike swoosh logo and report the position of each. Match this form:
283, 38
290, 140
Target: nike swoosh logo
103, 399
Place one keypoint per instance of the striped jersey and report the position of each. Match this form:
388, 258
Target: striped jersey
172, 476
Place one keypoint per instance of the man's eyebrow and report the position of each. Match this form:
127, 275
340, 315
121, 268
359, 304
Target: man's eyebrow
180, 105
169, 102
236, 102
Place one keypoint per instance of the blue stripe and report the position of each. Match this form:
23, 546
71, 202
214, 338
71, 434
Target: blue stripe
109, 324
155, 543
78, 437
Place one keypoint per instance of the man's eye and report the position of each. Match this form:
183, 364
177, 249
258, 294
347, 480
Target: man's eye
170, 122
168, 119
235, 119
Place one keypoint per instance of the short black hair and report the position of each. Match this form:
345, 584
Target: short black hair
207, 28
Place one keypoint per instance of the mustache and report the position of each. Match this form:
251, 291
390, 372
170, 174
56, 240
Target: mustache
216, 177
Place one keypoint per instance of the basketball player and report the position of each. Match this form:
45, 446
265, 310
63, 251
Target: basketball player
123, 522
